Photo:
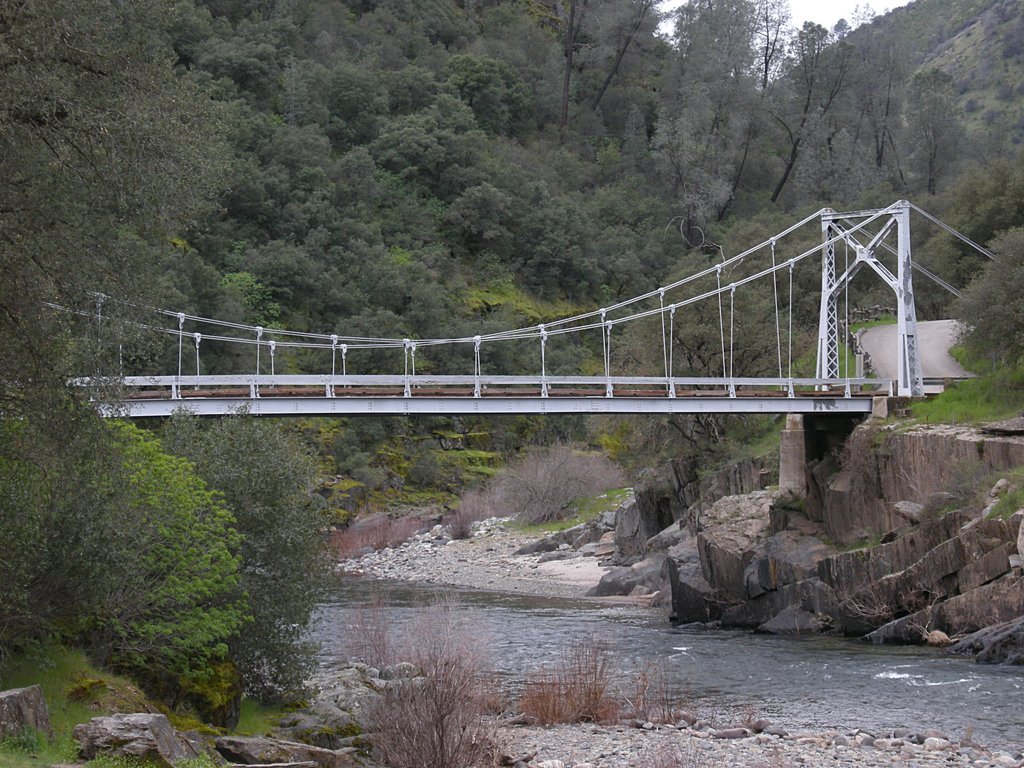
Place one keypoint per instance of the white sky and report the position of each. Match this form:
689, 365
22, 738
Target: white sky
828, 12
824, 12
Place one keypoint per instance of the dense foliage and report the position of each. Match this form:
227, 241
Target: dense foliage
110, 540
266, 480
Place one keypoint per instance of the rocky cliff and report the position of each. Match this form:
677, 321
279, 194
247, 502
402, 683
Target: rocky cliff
893, 542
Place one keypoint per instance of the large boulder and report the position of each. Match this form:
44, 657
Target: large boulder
849, 572
916, 464
1001, 600
734, 528
793, 620
998, 644
785, 558
639, 521
22, 708
256, 750
680, 493
149, 737
693, 599
651, 574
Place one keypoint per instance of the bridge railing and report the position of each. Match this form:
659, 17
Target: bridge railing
254, 386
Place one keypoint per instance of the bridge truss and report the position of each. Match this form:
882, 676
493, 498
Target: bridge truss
338, 391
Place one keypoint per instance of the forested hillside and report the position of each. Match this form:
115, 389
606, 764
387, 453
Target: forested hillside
442, 168
410, 168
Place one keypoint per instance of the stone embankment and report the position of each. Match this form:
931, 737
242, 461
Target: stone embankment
890, 543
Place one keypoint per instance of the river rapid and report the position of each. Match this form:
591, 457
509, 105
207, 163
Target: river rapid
808, 683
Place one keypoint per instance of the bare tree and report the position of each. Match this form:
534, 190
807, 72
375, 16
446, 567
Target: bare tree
436, 720
934, 124
819, 68
772, 23
637, 12
572, 24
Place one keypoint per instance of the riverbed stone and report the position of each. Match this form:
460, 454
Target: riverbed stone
22, 708
538, 547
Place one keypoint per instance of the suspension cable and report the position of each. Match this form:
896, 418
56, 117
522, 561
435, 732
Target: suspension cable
259, 338
846, 319
955, 233
791, 321
775, 290
721, 321
181, 335
197, 337
732, 335
664, 340
671, 369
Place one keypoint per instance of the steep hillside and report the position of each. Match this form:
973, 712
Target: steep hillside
980, 44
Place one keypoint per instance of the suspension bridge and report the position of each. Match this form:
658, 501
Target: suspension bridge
878, 239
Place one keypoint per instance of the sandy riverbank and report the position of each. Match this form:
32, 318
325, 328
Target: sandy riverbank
487, 560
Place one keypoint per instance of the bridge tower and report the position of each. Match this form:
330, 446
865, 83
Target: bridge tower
851, 229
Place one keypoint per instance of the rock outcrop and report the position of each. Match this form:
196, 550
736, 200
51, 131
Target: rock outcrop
922, 465
22, 708
930, 562
672, 498
997, 644
148, 737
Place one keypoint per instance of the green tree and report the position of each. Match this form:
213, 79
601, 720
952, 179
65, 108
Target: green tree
177, 604
111, 542
991, 307
266, 481
104, 151
709, 111
253, 296
499, 99
933, 125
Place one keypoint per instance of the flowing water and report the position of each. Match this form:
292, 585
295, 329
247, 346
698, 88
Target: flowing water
807, 683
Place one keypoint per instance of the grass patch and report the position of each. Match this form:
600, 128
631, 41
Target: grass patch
505, 294
883, 320
1013, 499
74, 689
75, 692
868, 542
31, 749
256, 719
584, 509
997, 393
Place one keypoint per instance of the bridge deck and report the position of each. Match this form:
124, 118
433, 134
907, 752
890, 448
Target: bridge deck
383, 395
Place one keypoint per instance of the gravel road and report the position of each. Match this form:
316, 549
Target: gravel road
935, 337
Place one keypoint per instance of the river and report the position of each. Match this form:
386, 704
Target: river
808, 683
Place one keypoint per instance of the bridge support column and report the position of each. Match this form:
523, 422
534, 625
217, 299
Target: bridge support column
828, 317
793, 458
911, 382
